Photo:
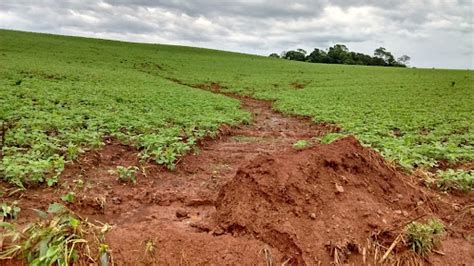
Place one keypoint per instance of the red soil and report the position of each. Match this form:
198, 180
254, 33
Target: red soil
249, 197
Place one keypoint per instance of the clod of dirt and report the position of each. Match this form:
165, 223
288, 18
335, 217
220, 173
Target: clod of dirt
270, 199
181, 214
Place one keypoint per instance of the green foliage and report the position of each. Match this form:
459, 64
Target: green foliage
294, 55
69, 98
456, 180
127, 174
301, 144
9, 211
330, 137
340, 54
68, 197
274, 55
423, 237
59, 238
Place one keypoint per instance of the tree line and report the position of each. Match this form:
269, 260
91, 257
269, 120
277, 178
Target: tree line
340, 54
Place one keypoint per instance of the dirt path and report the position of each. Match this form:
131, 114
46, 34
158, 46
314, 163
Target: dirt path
249, 197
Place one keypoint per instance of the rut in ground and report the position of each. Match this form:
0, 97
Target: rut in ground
249, 197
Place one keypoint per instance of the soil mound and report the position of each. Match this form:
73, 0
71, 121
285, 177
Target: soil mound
315, 205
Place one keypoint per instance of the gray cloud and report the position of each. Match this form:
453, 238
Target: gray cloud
435, 33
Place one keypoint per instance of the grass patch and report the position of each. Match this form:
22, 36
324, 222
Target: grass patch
331, 137
301, 144
422, 238
59, 238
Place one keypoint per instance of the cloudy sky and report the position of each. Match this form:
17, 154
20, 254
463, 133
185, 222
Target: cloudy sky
435, 33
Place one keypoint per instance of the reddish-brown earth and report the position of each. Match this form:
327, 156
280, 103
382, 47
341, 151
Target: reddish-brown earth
249, 197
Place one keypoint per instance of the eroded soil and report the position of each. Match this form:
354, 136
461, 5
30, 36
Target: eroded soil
249, 197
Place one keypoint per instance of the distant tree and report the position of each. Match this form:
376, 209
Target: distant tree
274, 55
388, 58
317, 56
377, 61
338, 54
294, 55
301, 51
404, 60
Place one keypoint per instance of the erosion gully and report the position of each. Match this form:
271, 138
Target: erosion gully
173, 210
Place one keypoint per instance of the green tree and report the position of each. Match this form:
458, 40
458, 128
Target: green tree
338, 54
301, 51
404, 60
317, 56
274, 55
387, 56
294, 55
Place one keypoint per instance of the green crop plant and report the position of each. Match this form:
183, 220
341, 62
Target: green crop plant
301, 144
68, 197
422, 238
60, 103
330, 137
450, 179
126, 174
9, 210
59, 238
56, 105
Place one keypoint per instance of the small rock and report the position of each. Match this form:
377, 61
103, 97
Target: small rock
312, 215
181, 213
398, 212
405, 213
384, 221
339, 188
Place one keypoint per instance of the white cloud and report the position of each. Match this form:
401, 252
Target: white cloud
435, 33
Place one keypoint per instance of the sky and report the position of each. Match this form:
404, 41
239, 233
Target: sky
434, 33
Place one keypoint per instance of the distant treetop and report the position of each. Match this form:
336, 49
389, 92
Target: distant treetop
340, 54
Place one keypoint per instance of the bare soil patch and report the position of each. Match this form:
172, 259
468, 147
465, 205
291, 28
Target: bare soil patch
249, 197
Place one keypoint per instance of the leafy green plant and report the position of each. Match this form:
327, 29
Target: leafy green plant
413, 117
423, 237
59, 238
330, 137
68, 197
9, 211
301, 144
450, 179
127, 174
